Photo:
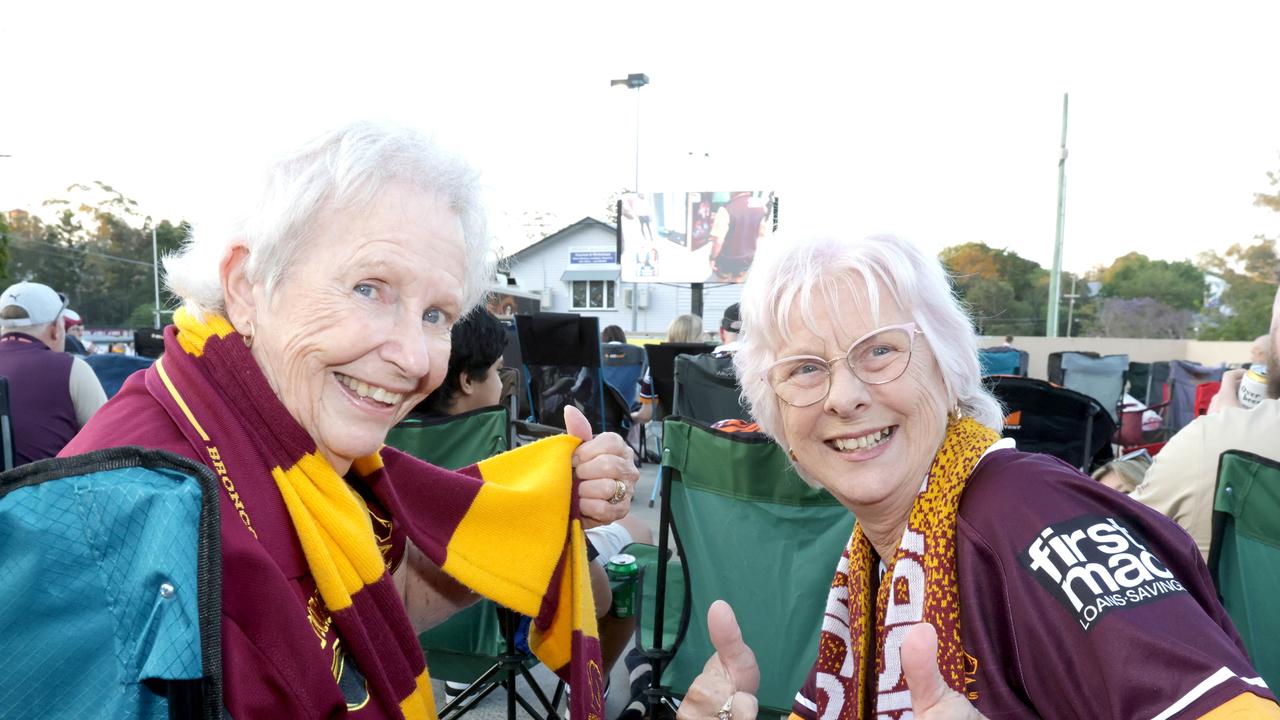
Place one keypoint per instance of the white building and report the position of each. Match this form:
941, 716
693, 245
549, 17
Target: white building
575, 269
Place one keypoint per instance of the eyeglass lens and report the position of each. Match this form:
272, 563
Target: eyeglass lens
876, 360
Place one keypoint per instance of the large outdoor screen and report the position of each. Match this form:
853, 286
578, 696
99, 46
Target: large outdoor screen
693, 237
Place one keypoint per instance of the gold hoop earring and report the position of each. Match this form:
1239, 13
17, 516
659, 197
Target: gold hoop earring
956, 413
792, 454
248, 339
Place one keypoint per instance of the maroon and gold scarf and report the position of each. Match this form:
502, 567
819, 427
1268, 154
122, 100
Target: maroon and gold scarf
508, 527
859, 667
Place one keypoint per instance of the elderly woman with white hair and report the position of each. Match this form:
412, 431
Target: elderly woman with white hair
304, 336
979, 579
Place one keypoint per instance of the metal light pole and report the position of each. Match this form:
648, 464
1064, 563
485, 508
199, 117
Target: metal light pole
634, 81
1055, 278
155, 273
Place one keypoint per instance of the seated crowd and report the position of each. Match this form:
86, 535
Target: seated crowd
352, 300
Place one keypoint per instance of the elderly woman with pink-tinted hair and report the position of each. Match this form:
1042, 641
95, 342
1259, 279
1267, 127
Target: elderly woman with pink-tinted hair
979, 580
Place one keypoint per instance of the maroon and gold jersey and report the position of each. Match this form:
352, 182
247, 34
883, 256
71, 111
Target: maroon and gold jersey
1077, 602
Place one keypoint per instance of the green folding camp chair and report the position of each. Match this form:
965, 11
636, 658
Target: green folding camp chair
751, 532
477, 645
1244, 554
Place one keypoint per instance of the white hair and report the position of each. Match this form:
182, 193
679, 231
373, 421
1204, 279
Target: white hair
798, 268
344, 169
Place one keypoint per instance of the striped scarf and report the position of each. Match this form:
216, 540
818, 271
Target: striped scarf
859, 667
508, 527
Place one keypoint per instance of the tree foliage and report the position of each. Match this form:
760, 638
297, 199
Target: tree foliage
1179, 284
1140, 318
95, 247
1243, 311
1006, 294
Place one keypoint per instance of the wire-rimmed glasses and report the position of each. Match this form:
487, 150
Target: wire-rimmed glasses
881, 356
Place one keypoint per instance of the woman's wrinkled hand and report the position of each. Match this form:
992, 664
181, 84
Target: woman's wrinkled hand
599, 464
730, 673
931, 699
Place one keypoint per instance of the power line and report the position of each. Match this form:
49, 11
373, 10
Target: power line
80, 251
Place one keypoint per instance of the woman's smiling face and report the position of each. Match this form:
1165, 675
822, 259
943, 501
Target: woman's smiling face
869, 445
356, 332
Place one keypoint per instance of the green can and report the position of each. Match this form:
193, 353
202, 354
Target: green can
623, 571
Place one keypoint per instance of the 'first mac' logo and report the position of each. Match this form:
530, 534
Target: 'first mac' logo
1094, 565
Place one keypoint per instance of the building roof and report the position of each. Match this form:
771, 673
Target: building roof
566, 230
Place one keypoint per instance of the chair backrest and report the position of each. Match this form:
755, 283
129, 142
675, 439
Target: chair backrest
454, 441
1054, 420
6, 426
1244, 554
113, 369
662, 368
623, 366
1147, 381
112, 587
1101, 378
1055, 363
1205, 392
1003, 361
753, 533
1184, 376
562, 364
706, 389
465, 645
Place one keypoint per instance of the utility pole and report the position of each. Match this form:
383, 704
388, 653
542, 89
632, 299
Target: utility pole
1071, 307
1055, 277
155, 273
634, 81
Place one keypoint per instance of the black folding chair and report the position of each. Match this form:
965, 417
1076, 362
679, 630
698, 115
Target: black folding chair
706, 389
1056, 421
562, 362
6, 425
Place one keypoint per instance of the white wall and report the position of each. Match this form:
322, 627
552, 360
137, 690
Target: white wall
540, 268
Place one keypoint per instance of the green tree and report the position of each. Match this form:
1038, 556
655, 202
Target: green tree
96, 248
1007, 294
1179, 285
1243, 312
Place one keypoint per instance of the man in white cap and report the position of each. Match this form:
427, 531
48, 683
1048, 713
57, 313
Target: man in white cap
51, 394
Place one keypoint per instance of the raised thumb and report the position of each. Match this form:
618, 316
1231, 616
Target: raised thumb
738, 659
576, 424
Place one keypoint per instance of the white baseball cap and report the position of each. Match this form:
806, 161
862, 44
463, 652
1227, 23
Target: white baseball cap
42, 304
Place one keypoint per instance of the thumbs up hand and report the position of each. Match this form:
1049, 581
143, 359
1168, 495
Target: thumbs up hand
931, 699
726, 688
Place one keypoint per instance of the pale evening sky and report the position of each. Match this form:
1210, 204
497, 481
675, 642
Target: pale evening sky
940, 121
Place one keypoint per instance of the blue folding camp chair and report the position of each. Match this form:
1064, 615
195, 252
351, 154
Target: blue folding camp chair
1101, 378
623, 366
1003, 361
112, 580
1184, 377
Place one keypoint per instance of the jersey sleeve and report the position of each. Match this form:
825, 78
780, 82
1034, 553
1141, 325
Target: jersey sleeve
1078, 602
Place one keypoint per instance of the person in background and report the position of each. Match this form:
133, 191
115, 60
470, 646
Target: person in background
1008, 341
960, 589
730, 327
1124, 474
75, 330
738, 227
475, 357
686, 329
52, 394
1184, 475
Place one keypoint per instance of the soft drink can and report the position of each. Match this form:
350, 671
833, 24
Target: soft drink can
622, 571
1253, 386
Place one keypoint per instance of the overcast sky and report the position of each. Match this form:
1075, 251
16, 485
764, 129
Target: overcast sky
940, 121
